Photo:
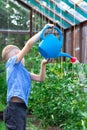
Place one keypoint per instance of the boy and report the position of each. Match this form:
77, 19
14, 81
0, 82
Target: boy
19, 82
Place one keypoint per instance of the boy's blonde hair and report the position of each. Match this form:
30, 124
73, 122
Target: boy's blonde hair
7, 50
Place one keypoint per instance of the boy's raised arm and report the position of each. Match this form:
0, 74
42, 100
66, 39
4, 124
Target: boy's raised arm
30, 42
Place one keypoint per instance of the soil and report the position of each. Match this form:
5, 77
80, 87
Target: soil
37, 123
54, 128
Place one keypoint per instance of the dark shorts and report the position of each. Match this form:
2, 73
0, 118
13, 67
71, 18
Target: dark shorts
14, 116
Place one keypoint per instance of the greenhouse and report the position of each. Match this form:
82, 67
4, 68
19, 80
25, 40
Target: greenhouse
47, 67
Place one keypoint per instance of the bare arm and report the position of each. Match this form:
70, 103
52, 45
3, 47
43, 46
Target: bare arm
42, 73
30, 43
28, 46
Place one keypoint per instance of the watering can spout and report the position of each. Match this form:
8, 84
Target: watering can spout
62, 54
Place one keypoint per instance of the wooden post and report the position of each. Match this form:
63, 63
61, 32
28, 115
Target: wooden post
80, 40
31, 23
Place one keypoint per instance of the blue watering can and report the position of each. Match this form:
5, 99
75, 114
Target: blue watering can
50, 46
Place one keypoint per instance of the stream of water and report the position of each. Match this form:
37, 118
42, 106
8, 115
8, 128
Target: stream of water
81, 70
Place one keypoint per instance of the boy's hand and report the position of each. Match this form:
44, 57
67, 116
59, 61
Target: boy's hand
47, 26
46, 61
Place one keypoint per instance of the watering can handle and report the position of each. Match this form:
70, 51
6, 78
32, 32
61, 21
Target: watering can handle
58, 30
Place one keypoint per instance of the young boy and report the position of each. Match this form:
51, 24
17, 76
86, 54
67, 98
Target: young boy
19, 82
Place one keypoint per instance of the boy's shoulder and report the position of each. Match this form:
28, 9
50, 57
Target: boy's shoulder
11, 60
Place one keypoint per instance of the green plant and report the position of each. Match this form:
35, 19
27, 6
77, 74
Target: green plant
2, 86
2, 125
61, 99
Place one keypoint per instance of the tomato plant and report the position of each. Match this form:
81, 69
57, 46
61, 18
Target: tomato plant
60, 100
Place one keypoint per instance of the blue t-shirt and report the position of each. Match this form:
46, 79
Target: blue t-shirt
18, 80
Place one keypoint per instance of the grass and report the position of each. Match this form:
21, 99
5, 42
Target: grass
33, 124
2, 106
2, 125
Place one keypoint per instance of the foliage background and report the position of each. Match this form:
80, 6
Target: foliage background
61, 99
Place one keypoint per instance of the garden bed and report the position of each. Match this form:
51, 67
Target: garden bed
31, 119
